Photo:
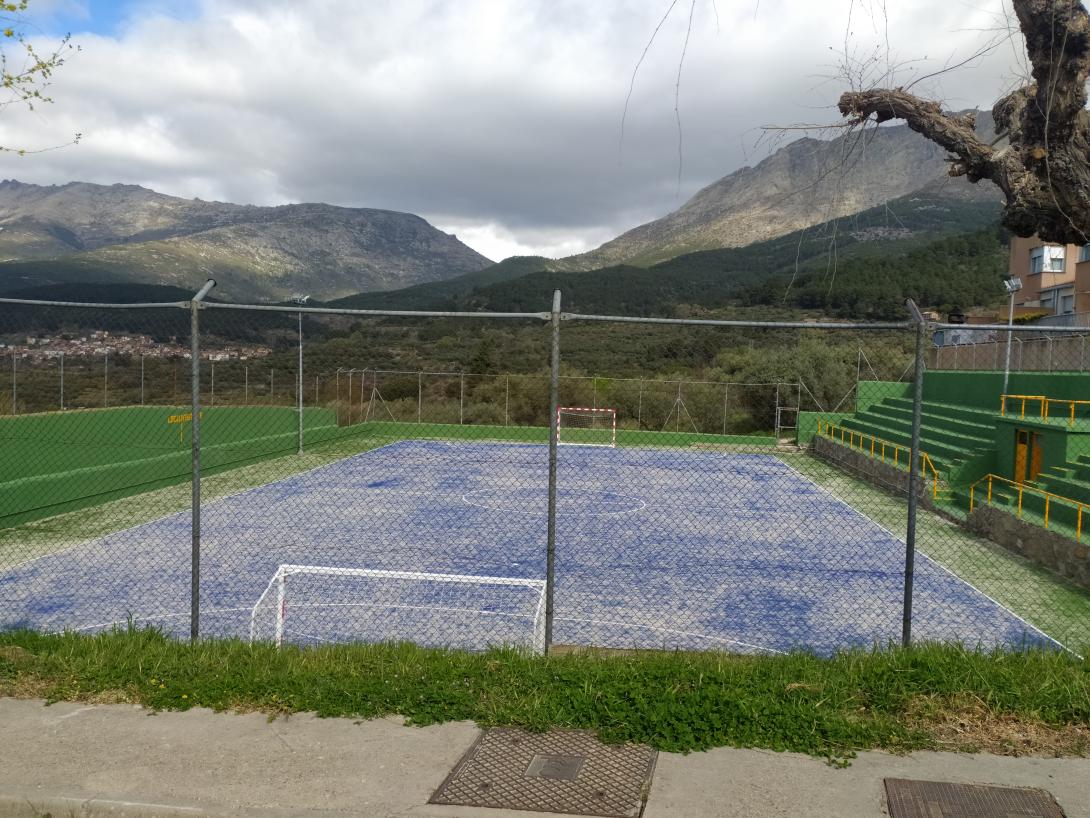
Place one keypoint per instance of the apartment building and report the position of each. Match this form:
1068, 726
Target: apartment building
1055, 277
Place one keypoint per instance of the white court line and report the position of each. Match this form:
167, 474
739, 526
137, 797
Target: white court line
927, 557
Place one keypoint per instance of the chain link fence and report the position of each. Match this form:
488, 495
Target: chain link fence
465, 480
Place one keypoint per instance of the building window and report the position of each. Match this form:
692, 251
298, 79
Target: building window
1084, 253
1067, 304
1046, 259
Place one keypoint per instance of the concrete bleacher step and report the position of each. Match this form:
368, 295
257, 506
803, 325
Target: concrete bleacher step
1065, 487
936, 445
976, 431
981, 417
936, 431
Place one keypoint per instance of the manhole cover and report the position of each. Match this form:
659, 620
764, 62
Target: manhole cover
565, 771
938, 799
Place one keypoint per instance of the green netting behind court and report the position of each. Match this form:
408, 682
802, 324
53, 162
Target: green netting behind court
53, 463
56, 462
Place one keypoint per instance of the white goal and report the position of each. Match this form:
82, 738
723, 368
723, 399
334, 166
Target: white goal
583, 426
313, 604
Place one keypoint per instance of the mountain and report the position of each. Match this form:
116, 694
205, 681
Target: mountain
804, 183
81, 232
834, 266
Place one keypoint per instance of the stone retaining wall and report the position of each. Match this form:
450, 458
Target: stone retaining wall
1048, 548
885, 475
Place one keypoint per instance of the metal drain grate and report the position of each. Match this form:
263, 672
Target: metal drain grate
565, 771
938, 799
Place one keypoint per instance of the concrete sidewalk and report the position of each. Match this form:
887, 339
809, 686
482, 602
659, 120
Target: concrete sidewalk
120, 760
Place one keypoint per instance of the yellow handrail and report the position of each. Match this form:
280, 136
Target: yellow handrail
1045, 401
878, 447
1022, 488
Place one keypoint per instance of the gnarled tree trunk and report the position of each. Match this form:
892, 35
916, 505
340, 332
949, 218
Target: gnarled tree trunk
1044, 170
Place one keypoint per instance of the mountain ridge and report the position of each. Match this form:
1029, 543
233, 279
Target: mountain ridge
72, 232
806, 182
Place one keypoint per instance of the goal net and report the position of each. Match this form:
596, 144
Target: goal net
313, 604
582, 426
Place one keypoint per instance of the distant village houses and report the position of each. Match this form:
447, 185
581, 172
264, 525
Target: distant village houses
101, 343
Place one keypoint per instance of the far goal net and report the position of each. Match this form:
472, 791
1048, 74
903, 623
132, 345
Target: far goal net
583, 426
313, 604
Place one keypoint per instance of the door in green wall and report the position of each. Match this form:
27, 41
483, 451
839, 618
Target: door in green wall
1028, 455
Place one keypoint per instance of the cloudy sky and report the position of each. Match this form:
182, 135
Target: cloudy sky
498, 120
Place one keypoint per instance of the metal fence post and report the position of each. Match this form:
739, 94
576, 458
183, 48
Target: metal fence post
195, 503
246, 384
554, 399
461, 397
299, 385
419, 397
14, 388
141, 378
106, 379
913, 470
212, 386
62, 381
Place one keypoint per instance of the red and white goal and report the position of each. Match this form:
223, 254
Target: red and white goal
584, 426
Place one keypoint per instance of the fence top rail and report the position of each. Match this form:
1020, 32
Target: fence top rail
456, 373
143, 305
1043, 331
710, 322
537, 316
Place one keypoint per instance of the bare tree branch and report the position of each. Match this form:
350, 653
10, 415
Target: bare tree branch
1044, 170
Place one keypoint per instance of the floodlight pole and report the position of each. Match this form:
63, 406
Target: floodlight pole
1010, 333
554, 399
913, 469
195, 503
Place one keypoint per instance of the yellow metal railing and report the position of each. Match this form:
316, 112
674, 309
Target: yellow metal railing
1049, 496
879, 448
1044, 403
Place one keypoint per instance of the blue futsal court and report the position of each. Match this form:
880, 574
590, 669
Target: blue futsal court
655, 548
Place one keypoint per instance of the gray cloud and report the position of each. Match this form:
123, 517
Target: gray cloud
499, 120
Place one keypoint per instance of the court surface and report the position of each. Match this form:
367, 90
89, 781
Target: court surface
654, 548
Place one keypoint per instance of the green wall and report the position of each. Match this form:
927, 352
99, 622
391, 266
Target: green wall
982, 389
869, 393
808, 423
59, 462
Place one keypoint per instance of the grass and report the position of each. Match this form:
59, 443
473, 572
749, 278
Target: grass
1058, 607
893, 699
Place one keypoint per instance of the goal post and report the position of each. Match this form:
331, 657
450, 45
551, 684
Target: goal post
586, 426
317, 604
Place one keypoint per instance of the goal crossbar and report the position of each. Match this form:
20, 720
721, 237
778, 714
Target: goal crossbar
586, 426
278, 585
